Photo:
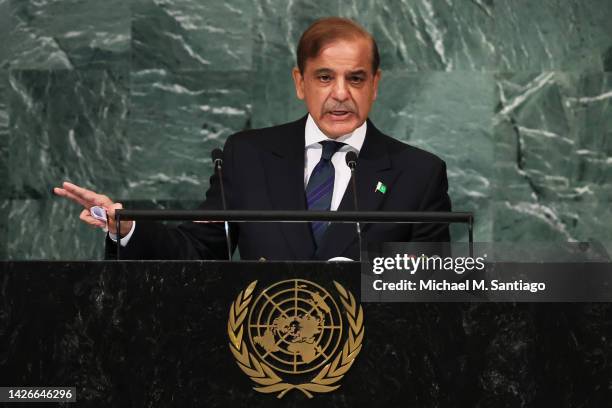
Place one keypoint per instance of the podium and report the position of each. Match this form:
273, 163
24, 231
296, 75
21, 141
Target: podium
145, 333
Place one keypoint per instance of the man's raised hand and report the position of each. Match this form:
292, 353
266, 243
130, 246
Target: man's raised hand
87, 199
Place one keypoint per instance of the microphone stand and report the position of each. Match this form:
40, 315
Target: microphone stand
217, 156
351, 162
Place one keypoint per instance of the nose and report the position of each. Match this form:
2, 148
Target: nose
340, 90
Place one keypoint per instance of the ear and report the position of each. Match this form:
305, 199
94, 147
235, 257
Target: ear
377, 77
298, 80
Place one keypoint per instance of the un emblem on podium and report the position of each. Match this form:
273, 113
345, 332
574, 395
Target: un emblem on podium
295, 335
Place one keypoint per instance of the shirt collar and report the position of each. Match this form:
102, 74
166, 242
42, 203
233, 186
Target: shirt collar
313, 135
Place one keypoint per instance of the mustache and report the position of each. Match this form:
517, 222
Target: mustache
346, 106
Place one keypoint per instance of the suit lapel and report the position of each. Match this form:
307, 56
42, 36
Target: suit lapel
284, 166
373, 166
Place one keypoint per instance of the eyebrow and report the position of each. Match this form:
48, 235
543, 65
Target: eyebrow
358, 72
321, 71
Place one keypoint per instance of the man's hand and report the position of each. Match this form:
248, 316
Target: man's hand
88, 199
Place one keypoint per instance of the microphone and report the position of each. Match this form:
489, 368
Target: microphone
217, 158
351, 162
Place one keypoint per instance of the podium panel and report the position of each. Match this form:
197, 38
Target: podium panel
259, 334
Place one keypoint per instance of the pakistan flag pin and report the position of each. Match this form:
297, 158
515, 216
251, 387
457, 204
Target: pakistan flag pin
381, 188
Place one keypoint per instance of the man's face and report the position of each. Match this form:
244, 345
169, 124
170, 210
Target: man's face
339, 86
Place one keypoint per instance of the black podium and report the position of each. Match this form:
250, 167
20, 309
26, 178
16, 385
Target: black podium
155, 334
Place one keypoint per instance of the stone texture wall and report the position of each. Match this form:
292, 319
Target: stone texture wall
129, 97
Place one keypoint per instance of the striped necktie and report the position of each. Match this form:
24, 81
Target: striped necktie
321, 187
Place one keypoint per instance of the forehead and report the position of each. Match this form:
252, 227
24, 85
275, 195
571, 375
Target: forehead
344, 54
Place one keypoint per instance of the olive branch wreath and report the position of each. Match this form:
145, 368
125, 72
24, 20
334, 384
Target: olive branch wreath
269, 381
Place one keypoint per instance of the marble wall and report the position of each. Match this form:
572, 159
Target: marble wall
129, 97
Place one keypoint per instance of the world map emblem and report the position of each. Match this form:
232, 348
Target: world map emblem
295, 334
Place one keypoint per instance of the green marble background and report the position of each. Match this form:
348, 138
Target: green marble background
129, 97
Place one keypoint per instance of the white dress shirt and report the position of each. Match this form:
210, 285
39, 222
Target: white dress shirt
312, 154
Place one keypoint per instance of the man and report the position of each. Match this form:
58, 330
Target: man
301, 165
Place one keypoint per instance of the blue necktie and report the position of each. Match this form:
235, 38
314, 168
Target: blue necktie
321, 187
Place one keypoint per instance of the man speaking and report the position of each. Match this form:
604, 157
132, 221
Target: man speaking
301, 165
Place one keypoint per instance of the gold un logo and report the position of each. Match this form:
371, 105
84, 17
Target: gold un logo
292, 336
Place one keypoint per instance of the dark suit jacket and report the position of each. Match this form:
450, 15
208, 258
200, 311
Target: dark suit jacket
264, 169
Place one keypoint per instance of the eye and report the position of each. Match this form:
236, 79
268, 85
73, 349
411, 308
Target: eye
356, 79
325, 78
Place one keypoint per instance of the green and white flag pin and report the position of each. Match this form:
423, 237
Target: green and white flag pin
380, 187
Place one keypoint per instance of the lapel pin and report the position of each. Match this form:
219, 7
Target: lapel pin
381, 188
